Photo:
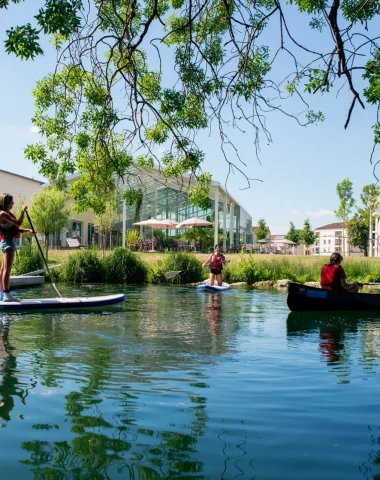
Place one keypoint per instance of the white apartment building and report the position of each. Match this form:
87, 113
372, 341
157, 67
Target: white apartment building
333, 238
18, 185
376, 234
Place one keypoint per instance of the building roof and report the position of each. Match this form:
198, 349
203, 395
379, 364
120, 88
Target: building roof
147, 179
277, 237
255, 227
22, 176
331, 226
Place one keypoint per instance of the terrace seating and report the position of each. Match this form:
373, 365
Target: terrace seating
73, 243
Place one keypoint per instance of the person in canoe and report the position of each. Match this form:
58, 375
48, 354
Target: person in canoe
215, 262
9, 231
333, 276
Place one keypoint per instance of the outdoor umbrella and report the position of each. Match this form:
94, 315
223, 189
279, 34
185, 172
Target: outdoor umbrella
168, 224
264, 240
284, 241
194, 222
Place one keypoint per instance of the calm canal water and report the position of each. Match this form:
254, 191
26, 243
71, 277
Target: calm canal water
177, 383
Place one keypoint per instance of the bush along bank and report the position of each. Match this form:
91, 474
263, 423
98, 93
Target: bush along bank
88, 266
189, 268
124, 266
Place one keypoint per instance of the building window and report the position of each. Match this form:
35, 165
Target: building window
75, 231
324, 242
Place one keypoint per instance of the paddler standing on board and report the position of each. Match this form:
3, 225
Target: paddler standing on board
9, 231
215, 262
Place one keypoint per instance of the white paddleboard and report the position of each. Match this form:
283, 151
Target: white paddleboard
213, 288
61, 303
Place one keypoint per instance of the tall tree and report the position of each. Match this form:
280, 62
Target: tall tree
307, 235
358, 232
49, 213
262, 230
104, 222
25, 224
223, 71
345, 193
293, 234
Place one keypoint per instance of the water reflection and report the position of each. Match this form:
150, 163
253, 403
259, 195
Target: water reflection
214, 306
335, 334
183, 384
10, 386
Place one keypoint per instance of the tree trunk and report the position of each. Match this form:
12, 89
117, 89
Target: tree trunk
370, 234
46, 246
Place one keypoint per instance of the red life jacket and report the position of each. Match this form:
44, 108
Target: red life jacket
331, 276
216, 262
11, 232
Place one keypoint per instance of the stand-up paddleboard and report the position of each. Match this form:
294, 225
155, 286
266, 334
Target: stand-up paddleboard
61, 303
213, 288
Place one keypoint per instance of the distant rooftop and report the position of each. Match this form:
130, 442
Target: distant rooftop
22, 176
331, 226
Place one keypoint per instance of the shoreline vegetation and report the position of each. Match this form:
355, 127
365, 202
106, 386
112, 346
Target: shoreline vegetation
125, 267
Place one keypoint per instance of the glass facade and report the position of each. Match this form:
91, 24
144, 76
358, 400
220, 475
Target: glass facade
162, 202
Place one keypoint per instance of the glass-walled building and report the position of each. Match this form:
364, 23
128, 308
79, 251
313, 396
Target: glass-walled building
167, 199
162, 199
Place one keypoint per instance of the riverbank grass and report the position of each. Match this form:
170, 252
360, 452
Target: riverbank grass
242, 268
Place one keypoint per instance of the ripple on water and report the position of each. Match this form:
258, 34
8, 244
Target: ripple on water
175, 383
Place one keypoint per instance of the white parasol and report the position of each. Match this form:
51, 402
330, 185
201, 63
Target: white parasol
194, 222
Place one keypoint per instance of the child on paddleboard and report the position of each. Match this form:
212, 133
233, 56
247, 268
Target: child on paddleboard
9, 231
215, 262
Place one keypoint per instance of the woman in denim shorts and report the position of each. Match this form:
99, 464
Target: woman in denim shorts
9, 231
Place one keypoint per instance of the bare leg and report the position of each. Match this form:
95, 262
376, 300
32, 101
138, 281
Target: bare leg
6, 267
220, 279
212, 279
1, 273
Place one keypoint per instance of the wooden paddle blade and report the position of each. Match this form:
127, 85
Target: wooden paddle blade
169, 275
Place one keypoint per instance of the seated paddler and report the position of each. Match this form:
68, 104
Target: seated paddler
333, 276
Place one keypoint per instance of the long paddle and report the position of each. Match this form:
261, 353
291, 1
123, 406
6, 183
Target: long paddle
42, 253
173, 273
36, 272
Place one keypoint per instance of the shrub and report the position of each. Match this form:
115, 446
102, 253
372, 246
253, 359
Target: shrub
83, 266
28, 259
187, 263
123, 266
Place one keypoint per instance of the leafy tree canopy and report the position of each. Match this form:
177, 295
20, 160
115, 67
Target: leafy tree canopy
131, 76
262, 230
307, 234
48, 212
294, 235
358, 231
345, 193
370, 198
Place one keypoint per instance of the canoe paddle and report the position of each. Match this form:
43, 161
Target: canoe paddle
173, 273
36, 272
42, 253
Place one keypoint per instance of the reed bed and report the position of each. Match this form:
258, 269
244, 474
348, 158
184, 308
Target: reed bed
242, 268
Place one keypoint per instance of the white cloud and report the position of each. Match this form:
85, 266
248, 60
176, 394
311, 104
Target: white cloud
320, 213
278, 229
293, 211
34, 129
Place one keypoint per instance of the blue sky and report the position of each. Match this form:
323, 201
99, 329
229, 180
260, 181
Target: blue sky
299, 170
